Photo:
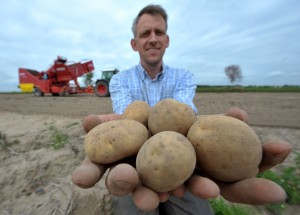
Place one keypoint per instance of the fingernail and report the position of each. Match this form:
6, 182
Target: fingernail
281, 157
124, 185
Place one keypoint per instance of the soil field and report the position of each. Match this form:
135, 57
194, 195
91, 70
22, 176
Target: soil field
35, 177
264, 109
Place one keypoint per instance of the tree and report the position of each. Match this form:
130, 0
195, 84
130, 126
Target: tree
234, 73
88, 79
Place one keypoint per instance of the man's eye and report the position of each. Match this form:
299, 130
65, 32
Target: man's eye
145, 34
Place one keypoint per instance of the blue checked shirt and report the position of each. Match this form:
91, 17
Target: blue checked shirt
135, 84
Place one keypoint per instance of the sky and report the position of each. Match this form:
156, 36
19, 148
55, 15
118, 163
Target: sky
262, 37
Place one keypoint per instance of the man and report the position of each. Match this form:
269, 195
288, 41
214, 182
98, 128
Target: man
152, 81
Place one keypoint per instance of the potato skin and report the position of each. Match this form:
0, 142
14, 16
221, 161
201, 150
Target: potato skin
227, 149
165, 161
137, 110
114, 140
171, 115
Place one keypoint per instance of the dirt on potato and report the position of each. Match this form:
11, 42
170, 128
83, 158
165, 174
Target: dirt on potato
35, 177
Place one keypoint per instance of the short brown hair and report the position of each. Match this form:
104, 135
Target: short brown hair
152, 10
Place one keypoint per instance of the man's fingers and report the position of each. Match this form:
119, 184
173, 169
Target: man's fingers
237, 113
91, 121
179, 191
274, 153
145, 199
122, 179
202, 187
254, 191
109, 117
87, 174
163, 197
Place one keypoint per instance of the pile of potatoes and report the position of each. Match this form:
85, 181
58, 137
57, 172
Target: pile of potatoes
169, 141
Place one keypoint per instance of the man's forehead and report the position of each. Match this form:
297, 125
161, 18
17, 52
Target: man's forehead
151, 21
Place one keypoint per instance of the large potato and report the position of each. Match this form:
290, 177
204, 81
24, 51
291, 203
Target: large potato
171, 115
227, 149
165, 161
114, 140
137, 110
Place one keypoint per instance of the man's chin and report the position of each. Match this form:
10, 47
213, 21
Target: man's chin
154, 63
154, 60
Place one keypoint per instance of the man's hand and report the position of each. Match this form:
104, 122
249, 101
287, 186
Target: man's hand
123, 179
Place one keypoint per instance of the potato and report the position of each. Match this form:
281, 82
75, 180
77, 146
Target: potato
227, 149
165, 161
171, 115
137, 110
114, 140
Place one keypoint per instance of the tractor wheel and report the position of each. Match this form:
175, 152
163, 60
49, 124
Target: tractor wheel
102, 88
38, 92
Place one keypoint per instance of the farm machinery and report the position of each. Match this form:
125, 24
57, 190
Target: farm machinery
102, 85
56, 80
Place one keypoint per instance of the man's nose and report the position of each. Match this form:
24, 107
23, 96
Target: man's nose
153, 37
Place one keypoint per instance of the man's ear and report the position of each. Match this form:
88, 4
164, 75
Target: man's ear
133, 44
167, 41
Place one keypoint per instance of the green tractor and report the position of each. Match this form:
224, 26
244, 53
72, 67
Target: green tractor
102, 85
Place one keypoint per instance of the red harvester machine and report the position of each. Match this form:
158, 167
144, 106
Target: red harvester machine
56, 80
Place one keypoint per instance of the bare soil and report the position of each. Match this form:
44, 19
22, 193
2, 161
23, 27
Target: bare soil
35, 178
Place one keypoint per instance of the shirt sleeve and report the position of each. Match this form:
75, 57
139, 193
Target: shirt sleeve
120, 94
185, 90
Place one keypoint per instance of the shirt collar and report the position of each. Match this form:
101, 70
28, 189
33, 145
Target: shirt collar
145, 75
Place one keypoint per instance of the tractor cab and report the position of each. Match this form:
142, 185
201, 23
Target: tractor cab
107, 75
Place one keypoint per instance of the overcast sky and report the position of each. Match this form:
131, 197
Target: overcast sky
261, 36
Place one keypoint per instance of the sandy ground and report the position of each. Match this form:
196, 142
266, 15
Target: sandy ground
35, 178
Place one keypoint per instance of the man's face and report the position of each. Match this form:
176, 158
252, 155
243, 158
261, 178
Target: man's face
151, 39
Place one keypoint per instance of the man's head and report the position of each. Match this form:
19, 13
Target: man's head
152, 10
150, 35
